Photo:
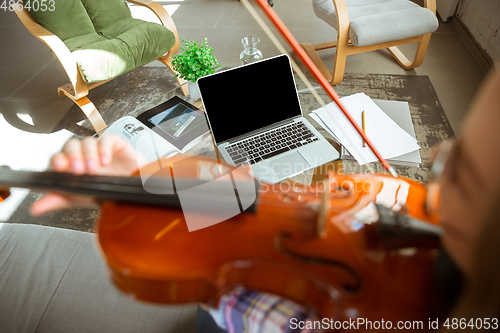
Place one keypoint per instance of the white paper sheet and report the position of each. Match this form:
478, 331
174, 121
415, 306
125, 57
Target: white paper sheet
387, 137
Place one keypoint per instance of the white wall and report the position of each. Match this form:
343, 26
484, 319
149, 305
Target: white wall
482, 18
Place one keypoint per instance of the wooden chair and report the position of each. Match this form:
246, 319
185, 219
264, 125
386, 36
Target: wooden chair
78, 89
367, 25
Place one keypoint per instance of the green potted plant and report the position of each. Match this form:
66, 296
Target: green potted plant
195, 61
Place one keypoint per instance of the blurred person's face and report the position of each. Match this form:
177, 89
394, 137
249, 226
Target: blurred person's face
471, 178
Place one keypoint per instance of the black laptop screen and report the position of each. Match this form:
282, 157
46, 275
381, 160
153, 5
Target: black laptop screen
241, 100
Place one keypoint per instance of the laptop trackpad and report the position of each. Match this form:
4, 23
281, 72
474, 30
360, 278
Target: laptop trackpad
288, 165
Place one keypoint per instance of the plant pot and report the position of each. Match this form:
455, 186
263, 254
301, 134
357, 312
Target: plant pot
194, 92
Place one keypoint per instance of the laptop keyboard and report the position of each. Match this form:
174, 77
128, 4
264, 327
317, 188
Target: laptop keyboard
269, 144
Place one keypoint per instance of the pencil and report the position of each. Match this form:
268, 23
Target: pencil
363, 122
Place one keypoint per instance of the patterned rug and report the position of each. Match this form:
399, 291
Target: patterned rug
429, 120
143, 88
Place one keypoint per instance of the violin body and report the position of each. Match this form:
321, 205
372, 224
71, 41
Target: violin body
305, 243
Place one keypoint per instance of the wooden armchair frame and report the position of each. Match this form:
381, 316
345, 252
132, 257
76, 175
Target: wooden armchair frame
344, 46
77, 89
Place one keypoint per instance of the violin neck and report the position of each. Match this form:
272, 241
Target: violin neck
123, 189
126, 189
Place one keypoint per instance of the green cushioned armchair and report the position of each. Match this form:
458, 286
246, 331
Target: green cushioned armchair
98, 40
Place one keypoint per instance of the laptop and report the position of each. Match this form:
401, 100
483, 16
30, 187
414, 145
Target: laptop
256, 119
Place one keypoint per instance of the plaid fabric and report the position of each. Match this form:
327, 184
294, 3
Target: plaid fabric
254, 312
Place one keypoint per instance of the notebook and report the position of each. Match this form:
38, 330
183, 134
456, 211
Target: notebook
387, 136
399, 112
255, 117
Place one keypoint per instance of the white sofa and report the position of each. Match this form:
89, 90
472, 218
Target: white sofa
54, 280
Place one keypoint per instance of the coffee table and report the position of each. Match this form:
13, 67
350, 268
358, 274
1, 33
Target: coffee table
308, 103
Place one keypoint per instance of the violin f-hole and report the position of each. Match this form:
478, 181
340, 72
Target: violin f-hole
347, 287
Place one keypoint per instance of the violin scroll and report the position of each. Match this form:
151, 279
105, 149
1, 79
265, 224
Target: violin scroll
4, 192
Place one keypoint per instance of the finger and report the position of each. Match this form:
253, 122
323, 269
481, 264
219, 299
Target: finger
112, 145
48, 203
55, 201
60, 162
73, 150
108, 144
91, 154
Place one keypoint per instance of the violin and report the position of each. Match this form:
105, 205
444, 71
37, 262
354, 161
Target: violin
352, 246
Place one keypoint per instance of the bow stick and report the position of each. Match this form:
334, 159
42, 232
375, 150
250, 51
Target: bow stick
319, 77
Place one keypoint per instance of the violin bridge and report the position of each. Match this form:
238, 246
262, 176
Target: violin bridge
324, 206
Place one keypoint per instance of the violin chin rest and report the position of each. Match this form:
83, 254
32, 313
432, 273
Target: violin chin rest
395, 230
